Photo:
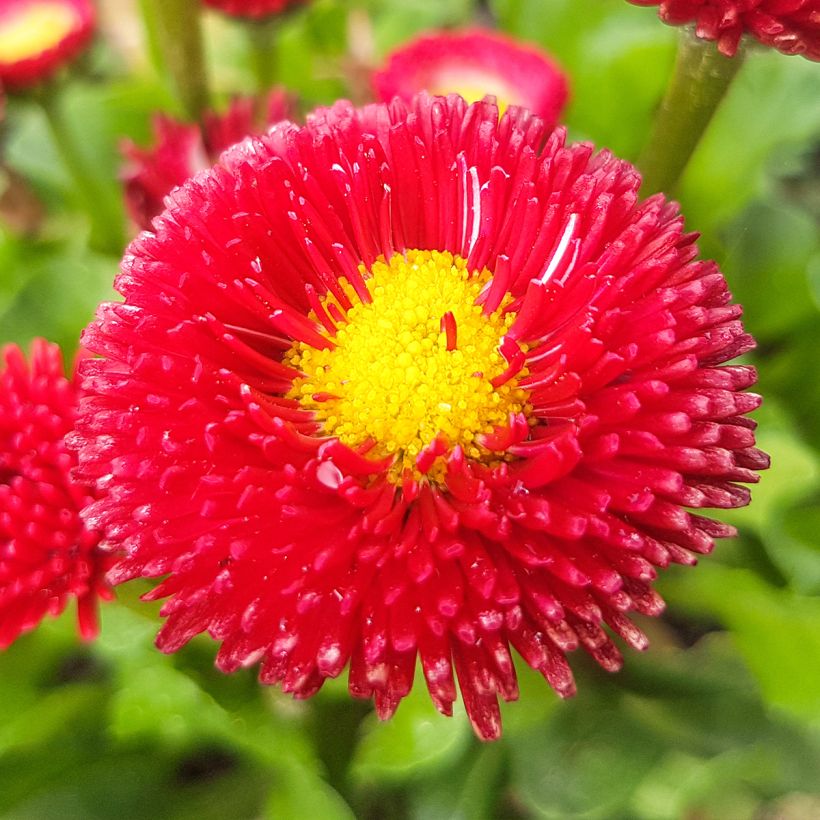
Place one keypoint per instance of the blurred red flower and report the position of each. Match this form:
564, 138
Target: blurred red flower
410, 382
790, 26
38, 37
181, 149
253, 8
47, 554
473, 64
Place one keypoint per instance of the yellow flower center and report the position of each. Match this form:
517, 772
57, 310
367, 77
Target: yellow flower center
29, 30
473, 84
414, 365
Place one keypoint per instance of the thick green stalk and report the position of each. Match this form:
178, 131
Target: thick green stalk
104, 210
700, 80
177, 26
262, 36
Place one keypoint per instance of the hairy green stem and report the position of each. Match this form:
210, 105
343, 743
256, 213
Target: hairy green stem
103, 209
177, 27
700, 80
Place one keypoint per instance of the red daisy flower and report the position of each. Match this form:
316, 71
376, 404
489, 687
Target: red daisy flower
410, 382
38, 37
181, 149
475, 64
790, 26
47, 553
254, 9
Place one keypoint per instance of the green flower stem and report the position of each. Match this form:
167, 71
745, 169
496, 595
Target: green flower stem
152, 36
700, 80
177, 27
262, 36
103, 208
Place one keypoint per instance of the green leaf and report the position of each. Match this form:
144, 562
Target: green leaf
52, 289
768, 251
299, 792
469, 790
396, 23
605, 48
790, 536
585, 762
776, 630
772, 104
416, 741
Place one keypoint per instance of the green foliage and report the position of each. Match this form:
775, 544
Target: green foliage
719, 719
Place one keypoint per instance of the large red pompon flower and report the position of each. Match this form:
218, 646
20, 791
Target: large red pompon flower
47, 554
410, 382
475, 64
790, 26
181, 149
254, 9
38, 37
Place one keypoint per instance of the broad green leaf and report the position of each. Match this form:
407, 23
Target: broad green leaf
53, 290
396, 23
605, 47
585, 762
416, 741
771, 104
791, 538
469, 790
768, 250
776, 630
298, 792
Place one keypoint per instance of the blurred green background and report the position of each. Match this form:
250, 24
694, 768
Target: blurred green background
719, 719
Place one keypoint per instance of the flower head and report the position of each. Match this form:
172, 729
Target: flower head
790, 26
47, 554
254, 9
181, 149
410, 382
474, 64
38, 37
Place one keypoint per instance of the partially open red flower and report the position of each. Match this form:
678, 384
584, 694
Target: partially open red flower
181, 149
412, 383
38, 37
790, 26
475, 64
47, 554
255, 9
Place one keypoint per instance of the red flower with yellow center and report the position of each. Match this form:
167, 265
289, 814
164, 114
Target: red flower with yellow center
413, 383
181, 149
255, 9
475, 64
47, 554
790, 26
38, 37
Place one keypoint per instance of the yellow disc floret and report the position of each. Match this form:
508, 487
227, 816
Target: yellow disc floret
415, 363
33, 28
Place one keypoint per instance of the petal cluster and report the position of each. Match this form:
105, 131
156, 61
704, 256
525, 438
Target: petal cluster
790, 26
181, 149
47, 554
476, 63
38, 37
254, 9
309, 554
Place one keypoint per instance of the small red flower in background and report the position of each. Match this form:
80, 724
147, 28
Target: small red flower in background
474, 64
181, 149
254, 9
790, 26
413, 383
38, 37
47, 554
